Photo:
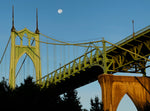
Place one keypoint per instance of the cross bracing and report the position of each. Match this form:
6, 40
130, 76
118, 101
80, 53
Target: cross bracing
129, 55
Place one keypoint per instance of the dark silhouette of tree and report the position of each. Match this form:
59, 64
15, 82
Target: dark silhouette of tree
4, 89
71, 102
25, 94
96, 105
30, 95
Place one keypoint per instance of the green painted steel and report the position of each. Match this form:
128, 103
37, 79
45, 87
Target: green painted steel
18, 50
130, 53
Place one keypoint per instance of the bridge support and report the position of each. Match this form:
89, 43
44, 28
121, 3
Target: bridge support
18, 50
115, 87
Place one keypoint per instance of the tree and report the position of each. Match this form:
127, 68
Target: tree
4, 92
96, 105
70, 101
25, 95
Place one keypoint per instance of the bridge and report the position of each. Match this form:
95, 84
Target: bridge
128, 55
99, 62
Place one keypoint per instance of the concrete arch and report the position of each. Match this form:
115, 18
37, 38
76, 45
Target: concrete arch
115, 87
123, 100
134, 100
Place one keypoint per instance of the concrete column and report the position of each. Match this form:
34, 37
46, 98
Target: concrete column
115, 87
105, 82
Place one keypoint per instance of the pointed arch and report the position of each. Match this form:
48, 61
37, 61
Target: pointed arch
135, 100
113, 87
28, 54
128, 103
19, 77
18, 50
25, 52
118, 99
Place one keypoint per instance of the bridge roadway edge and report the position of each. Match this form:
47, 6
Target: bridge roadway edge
79, 79
115, 87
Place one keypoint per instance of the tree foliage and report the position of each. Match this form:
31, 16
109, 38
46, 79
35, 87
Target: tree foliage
71, 100
30, 95
96, 105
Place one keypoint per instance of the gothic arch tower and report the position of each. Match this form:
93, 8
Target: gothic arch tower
17, 50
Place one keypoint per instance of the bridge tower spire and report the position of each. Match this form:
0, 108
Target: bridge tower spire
37, 29
13, 26
30, 49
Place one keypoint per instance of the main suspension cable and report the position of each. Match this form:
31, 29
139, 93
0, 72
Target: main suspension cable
64, 43
53, 39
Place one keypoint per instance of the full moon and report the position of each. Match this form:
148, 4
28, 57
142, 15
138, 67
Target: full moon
60, 11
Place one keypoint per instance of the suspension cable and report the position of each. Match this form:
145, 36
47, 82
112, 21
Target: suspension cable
75, 44
54, 56
53, 39
47, 57
5, 50
66, 43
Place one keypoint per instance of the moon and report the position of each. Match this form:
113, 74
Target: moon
60, 11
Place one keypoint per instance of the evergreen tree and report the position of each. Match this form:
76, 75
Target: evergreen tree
26, 93
30, 95
96, 105
4, 89
71, 102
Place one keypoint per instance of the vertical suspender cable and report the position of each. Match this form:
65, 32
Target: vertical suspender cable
24, 68
47, 57
64, 54
28, 65
54, 56
74, 52
5, 65
61, 56
33, 71
77, 51
68, 53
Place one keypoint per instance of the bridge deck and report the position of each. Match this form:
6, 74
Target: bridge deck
128, 55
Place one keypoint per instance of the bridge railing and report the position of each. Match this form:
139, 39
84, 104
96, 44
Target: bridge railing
131, 36
73, 67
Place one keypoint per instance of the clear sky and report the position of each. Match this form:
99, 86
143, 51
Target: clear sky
80, 20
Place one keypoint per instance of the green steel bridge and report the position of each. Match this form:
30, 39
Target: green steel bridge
130, 55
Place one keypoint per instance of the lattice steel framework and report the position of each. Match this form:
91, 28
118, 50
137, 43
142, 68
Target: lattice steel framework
129, 55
